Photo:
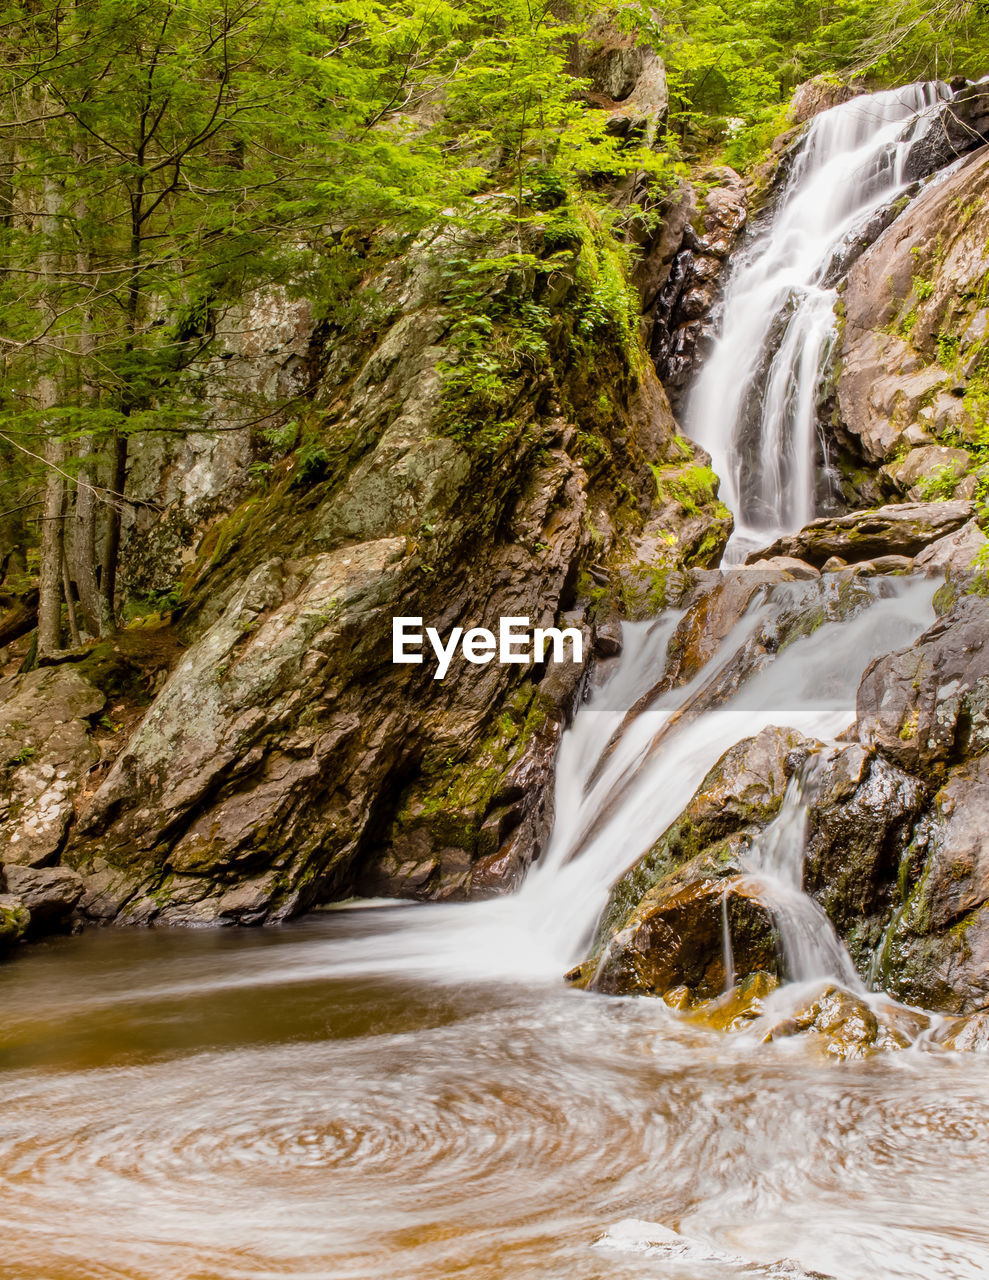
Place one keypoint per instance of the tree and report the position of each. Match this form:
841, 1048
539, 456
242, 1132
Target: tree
160, 160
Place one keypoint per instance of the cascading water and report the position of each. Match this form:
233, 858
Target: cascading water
811, 948
754, 405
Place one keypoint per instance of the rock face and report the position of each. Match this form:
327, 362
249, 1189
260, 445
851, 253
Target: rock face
913, 357
860, 818
903, 529
682, 285
819, 94
626, 77
287, 760
45, 751
928, 707
935, 952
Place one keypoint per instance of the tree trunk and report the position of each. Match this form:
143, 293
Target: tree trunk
70, 604
84, 544
50, 578
84, 525
53, 518
111, 543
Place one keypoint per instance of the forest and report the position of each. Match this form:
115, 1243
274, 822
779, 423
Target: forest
160, 161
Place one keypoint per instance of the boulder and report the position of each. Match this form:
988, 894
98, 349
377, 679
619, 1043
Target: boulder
964, 1035
788, 565
928, 706
49, 893
844, 1025
675, 938
902, 529
956, 553
818, 94
15, 920
680, 874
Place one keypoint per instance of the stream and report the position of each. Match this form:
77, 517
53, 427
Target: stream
411, 1091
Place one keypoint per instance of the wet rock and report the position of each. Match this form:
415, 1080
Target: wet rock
744, 1004
964, 1035
935, 952
15, 919
902, 529
675, 938
740, 796
929, 705
843, 1024
860, 821
48, 893
45, 752
608, 638
709, 619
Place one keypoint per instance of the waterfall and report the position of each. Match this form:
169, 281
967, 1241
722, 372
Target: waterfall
811, 947
754, 404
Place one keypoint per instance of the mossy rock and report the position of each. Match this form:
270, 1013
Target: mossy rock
15, 920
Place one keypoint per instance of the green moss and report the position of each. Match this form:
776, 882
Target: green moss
692, 487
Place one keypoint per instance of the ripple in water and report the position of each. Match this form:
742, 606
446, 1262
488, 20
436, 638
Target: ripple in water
497, 1133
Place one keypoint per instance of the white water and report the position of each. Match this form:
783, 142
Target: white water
811, 948
754, 404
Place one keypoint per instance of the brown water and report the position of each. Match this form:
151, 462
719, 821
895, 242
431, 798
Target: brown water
226, 1105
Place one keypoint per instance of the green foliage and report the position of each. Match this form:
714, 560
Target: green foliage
940, 485
732, 67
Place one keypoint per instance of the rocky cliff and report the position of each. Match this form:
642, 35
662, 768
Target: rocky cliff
286, 760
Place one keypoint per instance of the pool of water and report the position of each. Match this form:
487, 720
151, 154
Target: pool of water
233, 1104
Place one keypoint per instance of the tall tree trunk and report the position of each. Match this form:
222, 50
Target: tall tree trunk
70, 604
84, 524
84, 542
53, 520
111, 542
50, 579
